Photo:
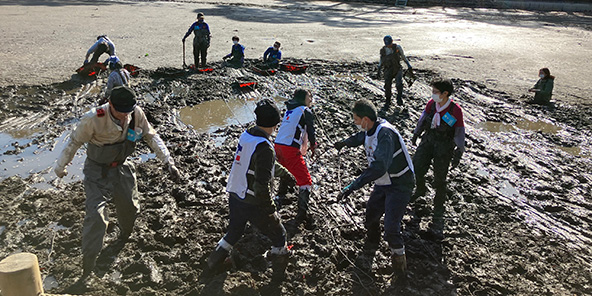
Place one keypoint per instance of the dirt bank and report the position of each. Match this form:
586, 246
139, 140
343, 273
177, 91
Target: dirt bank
518, 219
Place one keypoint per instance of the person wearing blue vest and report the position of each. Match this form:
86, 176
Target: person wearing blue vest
250, 200
391, 169
296, 131
201, 40
273, 55
236, 57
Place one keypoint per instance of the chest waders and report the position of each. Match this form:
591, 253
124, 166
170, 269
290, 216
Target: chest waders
113, 155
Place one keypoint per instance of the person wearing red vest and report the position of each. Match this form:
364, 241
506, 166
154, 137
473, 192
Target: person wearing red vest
443, 129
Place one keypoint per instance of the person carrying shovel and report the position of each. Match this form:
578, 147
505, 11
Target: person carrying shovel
201, 40
391, 169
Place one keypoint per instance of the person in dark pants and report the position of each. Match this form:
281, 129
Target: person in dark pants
236, 57
391, 55
391, 169
543, 89
103, 45
250, 194
201, 40
443, 129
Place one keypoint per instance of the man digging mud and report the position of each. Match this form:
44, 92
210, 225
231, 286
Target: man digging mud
111, 132
250, 199
391, 169
442, 121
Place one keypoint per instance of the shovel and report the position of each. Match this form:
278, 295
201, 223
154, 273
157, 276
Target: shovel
184, 64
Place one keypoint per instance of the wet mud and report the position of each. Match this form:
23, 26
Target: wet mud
517, 218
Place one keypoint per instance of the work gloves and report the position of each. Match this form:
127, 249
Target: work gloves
86, 61
60, 172
175, 173
456, 158
345, 192
339, 145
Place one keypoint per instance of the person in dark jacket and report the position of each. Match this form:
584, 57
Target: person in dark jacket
292, 142
249, 191
391, 55
201, 39
236, 57
391, 169
272, 56
443, 129
543, 89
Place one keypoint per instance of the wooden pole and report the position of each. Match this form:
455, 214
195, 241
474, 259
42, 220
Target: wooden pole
20, 276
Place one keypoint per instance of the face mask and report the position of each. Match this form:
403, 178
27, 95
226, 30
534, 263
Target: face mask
542, 75
360, 128
436, 98
235, 42
276, 48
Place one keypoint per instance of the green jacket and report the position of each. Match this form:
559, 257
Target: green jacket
545, 87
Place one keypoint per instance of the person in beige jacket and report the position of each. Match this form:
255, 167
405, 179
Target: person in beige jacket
111, 132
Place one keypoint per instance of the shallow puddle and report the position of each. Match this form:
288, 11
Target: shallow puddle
19, 157
209, 116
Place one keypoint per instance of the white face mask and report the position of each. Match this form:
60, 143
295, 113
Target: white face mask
235, 42
436, 98
360, 128
542, 75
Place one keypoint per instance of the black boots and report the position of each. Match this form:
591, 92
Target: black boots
215, 263
303, 198
279, 263
88, 264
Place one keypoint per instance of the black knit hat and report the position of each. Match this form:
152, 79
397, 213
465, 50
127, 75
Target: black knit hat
123, 99
268, 114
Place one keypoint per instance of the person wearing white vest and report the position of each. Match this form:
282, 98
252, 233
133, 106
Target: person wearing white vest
391, 169
291, 143
443, 129
250, 200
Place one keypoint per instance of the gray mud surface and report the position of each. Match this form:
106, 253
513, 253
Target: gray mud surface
518, 219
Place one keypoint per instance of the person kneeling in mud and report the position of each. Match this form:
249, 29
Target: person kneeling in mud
391, 169
543, 89
249, 191
236, 57
443, 128
111, 132
118, 77
272, 56
103, 45
296, 131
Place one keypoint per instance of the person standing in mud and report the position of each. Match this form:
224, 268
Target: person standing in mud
543, 89
443, 129
201, 40
118, 77
391, 169
236, 57
296, 131
272, 56
103, 45
391, 55
249, 188
111, 132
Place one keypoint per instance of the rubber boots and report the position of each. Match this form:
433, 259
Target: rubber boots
399, 264
279, 263
303, 198
372, 239
216, 260
88, 264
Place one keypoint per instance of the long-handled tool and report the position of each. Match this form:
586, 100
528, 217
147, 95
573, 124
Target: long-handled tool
184, 64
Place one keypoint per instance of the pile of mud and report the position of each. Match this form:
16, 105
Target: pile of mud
517, 221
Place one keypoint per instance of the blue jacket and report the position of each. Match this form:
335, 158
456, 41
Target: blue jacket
272, 56
201, 31
237, 53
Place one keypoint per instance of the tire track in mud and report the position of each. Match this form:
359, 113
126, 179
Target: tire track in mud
517, 219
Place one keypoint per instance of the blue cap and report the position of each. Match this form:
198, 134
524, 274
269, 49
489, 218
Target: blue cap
113, 62
388, 39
